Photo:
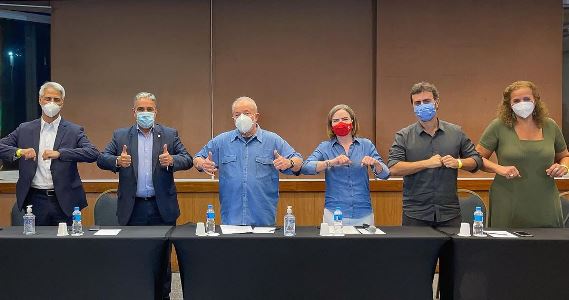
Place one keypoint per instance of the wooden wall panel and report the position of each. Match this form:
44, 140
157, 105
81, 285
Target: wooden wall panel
471, 50
105, 52
297, 59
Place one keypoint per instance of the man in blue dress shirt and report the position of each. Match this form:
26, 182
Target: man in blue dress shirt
248, 159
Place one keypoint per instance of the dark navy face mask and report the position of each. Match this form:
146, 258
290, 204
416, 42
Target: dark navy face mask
425, 111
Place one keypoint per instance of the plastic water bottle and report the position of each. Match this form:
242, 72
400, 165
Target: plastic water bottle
338, 216
29, 221
478, 225
210, 220
289, 223
77, 227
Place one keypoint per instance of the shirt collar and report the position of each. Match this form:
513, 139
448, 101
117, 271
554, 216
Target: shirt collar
258, 134
419, 128
55, 122
355, 140
140, 131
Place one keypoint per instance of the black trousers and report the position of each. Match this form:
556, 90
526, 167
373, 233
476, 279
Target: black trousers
46, 208
146, 213
454, 222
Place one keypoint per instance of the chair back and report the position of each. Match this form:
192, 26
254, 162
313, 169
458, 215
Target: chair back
468, 201
17, 215
106, 209
564, 198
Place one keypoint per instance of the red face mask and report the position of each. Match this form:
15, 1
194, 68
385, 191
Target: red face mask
342, 129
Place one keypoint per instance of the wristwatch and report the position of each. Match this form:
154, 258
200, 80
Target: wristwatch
291, 163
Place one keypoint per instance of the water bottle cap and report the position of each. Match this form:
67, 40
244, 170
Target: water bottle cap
76, 208
289, 209
337, 207
29, 209
210, 206
478, 208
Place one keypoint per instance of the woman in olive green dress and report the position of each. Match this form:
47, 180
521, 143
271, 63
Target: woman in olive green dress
531, 151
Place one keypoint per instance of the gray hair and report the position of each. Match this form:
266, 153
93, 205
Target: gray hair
145, 95
244, 99
54, 85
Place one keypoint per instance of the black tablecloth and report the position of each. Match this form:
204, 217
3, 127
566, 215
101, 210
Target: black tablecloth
398, 265
515, 268
44, 266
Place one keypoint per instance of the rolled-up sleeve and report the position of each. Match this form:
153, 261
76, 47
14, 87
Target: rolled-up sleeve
397, 150
384, 174
309, 166
468, 150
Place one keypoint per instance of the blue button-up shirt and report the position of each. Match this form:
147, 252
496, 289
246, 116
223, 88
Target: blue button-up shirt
248, 180
144, 184
347, 186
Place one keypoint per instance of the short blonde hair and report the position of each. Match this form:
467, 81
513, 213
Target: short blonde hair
350, 111
505, 111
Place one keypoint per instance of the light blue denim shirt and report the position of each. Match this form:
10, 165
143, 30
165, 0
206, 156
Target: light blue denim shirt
144, 184
248, 180
347, 186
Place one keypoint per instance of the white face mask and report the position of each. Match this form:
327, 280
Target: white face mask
244, 123
523, 109
50, 109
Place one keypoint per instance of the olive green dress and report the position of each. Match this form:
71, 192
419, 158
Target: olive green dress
533, 199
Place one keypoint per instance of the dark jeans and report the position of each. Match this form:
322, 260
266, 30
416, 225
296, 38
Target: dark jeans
146, 213
46, 209
454, 222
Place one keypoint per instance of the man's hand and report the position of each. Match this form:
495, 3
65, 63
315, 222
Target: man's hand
124, 160
208, 165
449, 162
165, 158
434, 162
28, 153
50, 154
281, 163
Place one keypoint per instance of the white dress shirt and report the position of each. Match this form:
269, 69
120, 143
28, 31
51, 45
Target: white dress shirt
48, 132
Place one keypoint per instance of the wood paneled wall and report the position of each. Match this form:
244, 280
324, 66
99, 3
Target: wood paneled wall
298, 58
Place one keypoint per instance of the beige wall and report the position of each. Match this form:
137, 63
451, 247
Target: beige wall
297, 59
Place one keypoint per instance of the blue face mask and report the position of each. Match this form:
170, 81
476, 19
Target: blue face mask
425, 111
145, 119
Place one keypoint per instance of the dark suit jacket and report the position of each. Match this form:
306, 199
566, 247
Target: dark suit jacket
73, 146
162, 178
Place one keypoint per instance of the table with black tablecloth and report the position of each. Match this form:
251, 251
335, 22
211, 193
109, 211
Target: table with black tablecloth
507, 268
398, 265
45, 266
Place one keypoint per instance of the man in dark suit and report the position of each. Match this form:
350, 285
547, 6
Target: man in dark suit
146, 155
49, 149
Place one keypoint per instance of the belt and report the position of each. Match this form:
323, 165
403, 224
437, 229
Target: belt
145, 198
49, 192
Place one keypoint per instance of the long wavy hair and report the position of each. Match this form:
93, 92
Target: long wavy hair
506, 113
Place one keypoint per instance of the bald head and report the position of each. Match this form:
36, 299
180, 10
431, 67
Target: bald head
244, 103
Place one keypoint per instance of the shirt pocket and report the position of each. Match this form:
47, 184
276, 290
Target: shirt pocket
228, 165
265, 168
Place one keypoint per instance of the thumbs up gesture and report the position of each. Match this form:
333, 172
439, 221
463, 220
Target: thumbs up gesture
166, 160
281, 163
124, 159
208, 165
